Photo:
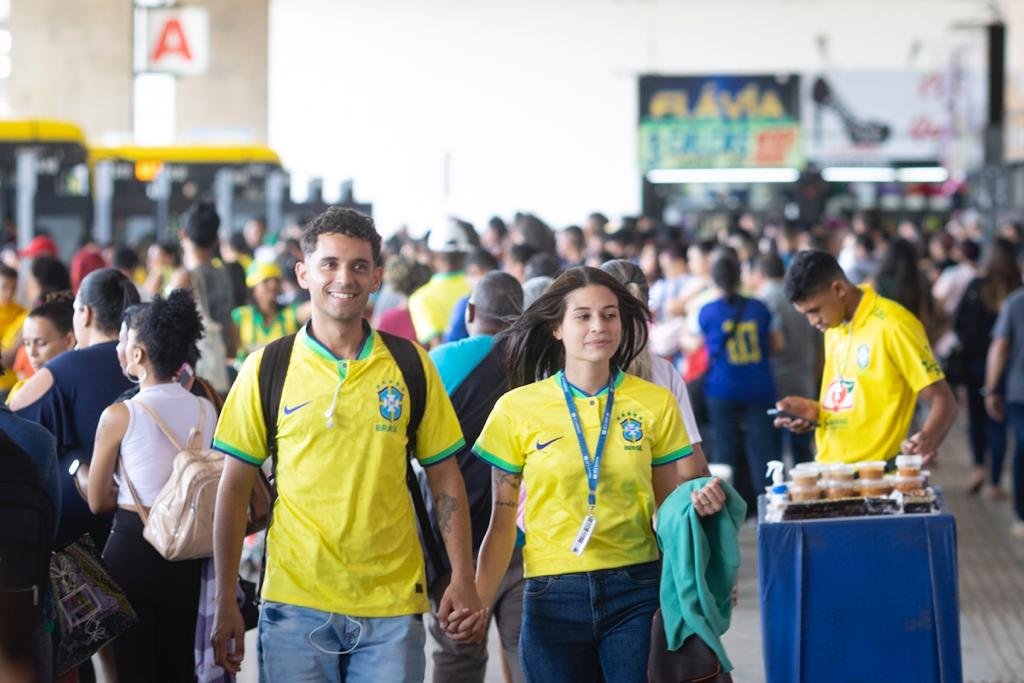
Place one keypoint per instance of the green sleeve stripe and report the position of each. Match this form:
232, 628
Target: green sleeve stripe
446, 453
683, 452
495, 461
235, 453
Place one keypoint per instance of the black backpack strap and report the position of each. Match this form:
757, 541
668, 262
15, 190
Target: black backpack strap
409, 363
272, 373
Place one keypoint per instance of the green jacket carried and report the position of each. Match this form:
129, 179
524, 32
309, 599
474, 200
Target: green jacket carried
699, 568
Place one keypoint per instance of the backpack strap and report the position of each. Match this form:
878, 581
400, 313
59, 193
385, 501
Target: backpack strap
409, 363
162, 426
272, 373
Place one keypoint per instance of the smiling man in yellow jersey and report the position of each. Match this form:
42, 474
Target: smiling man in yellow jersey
345, 587
877, 362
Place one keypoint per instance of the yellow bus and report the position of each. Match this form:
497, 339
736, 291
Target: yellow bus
140, 193
44, 181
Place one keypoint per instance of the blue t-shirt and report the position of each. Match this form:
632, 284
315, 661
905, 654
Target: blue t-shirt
457, 324
739, 370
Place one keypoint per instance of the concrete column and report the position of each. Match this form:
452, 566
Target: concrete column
232, 96
73, 61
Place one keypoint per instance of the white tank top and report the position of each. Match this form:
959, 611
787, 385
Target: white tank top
146, 453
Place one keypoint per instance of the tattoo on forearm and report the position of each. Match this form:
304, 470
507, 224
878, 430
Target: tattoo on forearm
505, 479
444, 506
514, 504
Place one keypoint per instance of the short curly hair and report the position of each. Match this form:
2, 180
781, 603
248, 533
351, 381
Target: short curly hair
809, 273
169, 329
340, 221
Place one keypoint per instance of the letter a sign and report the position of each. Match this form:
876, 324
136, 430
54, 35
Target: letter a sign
177, 41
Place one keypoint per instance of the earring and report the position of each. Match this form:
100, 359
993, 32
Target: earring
135, 379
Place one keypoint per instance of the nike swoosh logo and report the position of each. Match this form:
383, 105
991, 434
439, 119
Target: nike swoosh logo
542, 446
289, 411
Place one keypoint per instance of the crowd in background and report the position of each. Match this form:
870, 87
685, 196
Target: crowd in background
719, 317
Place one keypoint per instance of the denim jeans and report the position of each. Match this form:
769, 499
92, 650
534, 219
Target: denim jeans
302, 644
985, 433
763, 442
589, 626
1015, 416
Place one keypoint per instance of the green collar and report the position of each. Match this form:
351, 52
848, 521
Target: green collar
314, 344
579, 393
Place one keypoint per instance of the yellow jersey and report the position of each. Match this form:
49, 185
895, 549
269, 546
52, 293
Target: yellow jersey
875, 365
530, 432
254, 332
344, 535
430, 306
12, 316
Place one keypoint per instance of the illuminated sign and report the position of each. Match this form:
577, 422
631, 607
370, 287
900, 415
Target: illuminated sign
178, 41
146, 170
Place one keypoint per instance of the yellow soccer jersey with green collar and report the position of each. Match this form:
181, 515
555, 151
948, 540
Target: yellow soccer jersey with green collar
344, 535
530, 432
874, 368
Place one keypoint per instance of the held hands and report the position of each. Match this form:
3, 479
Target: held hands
461, 615
806, 411
994, 407
708, 499
228, 637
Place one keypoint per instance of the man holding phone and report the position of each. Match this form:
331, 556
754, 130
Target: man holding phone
877, 361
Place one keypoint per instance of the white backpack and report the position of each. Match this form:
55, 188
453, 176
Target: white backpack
180, 523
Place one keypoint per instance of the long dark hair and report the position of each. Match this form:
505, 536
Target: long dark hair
898, 277
1002, 274
533, 352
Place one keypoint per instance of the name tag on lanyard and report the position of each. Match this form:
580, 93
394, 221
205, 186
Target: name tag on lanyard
592, 466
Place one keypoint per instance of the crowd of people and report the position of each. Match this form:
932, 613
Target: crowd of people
480, 367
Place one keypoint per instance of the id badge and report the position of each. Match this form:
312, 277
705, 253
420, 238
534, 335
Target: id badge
584, 534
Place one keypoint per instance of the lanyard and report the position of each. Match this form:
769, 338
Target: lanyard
592, 466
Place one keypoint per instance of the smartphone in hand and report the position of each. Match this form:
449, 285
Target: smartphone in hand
775, 412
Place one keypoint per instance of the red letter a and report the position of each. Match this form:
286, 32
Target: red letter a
172, 41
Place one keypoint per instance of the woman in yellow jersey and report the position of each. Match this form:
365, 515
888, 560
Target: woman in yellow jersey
597, 451
265, 319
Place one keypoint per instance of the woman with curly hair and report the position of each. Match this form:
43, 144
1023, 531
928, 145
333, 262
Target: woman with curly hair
134, 451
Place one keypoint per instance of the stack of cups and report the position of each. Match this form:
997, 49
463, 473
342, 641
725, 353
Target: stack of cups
871, 480
805, 482
839, 481
910, 479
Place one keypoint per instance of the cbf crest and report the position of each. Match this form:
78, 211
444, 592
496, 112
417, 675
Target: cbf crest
632, 430
391, 400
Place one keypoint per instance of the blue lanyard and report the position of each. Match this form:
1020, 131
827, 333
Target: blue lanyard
592, 466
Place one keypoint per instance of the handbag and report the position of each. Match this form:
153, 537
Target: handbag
91, 608
694, 662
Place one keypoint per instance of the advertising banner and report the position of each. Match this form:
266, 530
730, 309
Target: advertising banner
877, 118
719, 122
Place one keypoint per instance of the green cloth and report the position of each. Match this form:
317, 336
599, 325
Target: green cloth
699, 568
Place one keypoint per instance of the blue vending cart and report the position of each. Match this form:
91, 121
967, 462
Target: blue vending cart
861, 599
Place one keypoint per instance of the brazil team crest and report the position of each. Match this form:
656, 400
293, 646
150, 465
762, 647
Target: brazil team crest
632, 430
390, 403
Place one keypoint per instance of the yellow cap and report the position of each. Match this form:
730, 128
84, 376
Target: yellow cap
260, 271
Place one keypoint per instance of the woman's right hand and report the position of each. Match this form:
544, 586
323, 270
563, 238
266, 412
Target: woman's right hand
228, 637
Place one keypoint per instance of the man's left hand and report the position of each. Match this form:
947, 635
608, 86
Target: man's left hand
459, 602
921, 444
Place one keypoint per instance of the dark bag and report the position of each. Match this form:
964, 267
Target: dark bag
26, 533
272, 373
692, 663
92, 610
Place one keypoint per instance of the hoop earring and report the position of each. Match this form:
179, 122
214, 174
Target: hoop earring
135, 379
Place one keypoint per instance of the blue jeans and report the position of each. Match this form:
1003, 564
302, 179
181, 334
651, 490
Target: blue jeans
589, 626
1015, 416
763, 441
303, 644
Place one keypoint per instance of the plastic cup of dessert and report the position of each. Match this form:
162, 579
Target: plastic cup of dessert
876, 488
799, 493
839, 488
805, 474
871, 469
840, 472
909, 465
912, 484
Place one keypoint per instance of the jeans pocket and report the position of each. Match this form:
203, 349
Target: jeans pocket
647, 574
538, 586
